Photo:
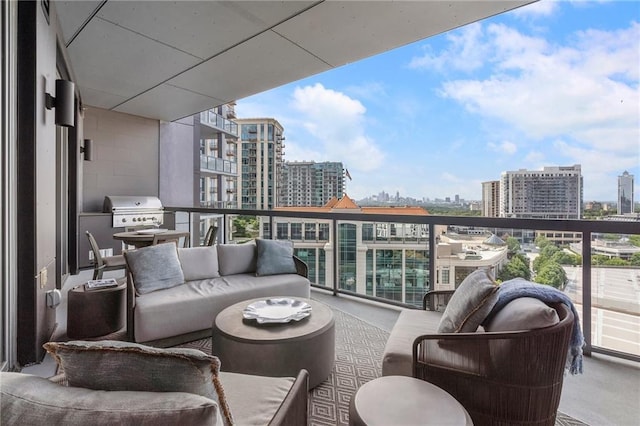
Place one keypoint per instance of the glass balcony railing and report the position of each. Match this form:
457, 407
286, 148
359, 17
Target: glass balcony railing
218, 165
395, 259
218, 122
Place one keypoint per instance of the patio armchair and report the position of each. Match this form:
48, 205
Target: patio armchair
501, 378
103, 263
211, 236
109, 382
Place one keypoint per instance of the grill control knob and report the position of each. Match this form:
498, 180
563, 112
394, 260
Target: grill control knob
124, 220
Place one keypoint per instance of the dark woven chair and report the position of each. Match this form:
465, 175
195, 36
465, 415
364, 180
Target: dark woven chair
211, 236
505, 378
436, 300
103, 263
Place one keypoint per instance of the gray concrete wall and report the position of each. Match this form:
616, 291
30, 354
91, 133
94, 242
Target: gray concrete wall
179, 163
126, 157
36, 181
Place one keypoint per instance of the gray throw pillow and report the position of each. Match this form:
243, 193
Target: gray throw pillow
523, 313
199, 263
123, 366
155, 267
31, 400
237, 258
470, 304
275, 257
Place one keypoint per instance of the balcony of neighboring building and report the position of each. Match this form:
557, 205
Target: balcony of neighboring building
218, 165
213, 120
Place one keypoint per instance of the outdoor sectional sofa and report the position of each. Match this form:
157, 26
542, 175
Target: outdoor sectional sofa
113, 382
174, 294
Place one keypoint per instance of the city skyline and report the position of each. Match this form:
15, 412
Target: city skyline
549, 84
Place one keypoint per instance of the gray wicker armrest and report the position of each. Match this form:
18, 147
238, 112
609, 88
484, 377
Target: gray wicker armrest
301, 267
294, 409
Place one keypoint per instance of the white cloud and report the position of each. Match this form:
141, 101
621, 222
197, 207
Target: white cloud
337, 122
585, 91
505, 147
540, 8
467, 52
371, 91
536, 158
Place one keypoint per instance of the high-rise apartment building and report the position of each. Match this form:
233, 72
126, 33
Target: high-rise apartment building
261, 160
550, 193
491, 198
625, 193
311, 184
217, 136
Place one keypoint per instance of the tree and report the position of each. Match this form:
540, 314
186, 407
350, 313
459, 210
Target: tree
635, 259
513, 245
552, 274
616, 261
549, 250
599, 259
516, 267
564, 258
539, 262
542, 241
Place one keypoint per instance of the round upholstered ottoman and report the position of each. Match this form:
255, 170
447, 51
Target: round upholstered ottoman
400, 400
276, 350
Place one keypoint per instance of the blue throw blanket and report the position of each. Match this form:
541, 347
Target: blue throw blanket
519, 287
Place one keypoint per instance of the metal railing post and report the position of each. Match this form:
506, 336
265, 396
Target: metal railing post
432, 256
335, 257
586, 291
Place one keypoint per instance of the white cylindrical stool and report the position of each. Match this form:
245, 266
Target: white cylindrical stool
400, 400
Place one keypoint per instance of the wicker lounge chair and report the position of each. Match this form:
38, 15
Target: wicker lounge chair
501, 378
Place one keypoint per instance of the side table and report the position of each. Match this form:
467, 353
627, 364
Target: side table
96, 312
404, 401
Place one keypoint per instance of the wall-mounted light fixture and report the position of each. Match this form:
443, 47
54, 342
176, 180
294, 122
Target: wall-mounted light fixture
63, 103
87, 149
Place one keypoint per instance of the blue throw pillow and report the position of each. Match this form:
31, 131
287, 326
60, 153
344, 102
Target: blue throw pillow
274, 257
155, 267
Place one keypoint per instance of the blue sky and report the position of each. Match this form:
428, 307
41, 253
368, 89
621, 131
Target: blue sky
555, 83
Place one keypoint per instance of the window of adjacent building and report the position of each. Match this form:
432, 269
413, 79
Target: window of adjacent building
389, 274
270, 133
367, 232
309, 257
369, 272
310, 231
296, 231
323, 231
347, 256
444, 276
322, 267
282, 231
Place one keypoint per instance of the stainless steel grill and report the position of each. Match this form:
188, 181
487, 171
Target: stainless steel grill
133, 210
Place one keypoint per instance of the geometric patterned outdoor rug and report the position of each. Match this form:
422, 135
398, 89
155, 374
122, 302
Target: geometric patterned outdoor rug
359, 347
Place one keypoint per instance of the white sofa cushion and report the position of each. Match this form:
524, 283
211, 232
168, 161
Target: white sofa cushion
255, 399
199, 263
237, 258
193, 306
523, 313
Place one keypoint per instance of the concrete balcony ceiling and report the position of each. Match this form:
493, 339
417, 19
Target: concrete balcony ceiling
168, 60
